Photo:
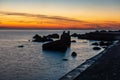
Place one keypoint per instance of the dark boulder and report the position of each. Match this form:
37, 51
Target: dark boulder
21, 46
105, 43
38, 38
95, 43
74, 41
53, 36
74, 35
65, 59
55, 46
59, 45
104, 47
101, 35
74, 54
96, 48
102, 43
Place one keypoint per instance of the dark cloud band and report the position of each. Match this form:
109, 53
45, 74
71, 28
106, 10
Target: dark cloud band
41, 16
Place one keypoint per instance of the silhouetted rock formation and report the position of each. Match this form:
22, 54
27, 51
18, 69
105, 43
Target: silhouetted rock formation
59, 45
75, 35
53, 36
38, 38
65, 38
101, 35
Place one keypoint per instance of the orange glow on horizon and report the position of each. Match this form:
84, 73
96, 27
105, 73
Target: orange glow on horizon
18, 20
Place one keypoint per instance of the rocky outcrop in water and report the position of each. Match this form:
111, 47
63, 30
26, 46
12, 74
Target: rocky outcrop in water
99, 35
96, 48
53, 36
59, 45
108, 36
74, 54
38, 38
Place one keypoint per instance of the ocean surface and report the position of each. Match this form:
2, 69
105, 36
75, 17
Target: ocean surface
31, 63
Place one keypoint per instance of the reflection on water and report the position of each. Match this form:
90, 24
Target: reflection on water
54, 54
31, 63
57, 55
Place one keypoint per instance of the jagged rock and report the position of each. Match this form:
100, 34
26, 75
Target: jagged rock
37, 36
59, 45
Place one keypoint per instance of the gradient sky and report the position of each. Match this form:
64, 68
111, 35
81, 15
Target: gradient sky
60, 13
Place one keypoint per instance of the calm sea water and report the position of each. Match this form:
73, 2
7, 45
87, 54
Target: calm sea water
31, 63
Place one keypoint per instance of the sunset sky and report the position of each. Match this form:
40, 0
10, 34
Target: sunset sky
74, 14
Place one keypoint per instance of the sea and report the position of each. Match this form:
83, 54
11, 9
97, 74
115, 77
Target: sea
32, 63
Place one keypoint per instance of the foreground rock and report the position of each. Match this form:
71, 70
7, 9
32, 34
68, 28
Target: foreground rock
59, 45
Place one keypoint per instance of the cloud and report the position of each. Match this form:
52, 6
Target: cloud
41, 16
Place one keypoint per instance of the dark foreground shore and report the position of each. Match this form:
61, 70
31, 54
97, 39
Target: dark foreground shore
107, 68
104, 66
